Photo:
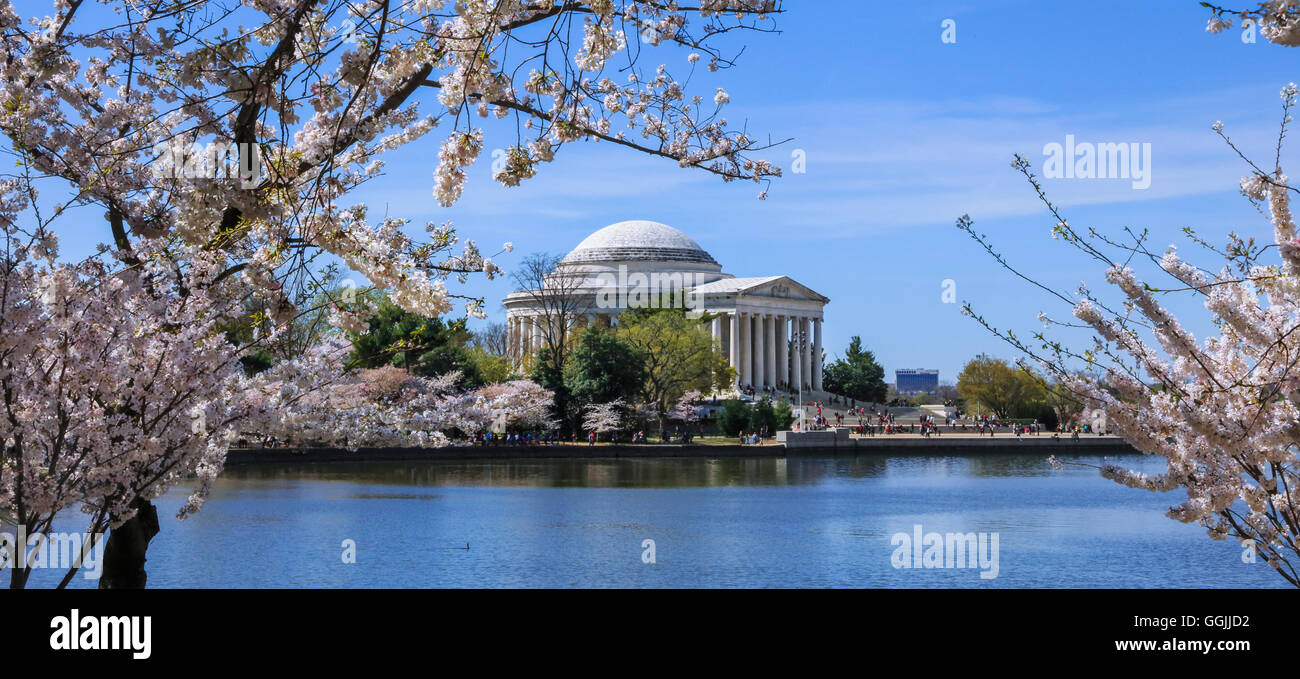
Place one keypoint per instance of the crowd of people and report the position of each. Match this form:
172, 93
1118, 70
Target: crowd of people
554, 438
870, 422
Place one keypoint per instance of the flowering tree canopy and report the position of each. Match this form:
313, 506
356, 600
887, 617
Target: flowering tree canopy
307, 95
1223, 412
686, 410
603, 418
219, 141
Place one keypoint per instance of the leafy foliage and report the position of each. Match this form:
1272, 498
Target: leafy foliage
1006, 390
734, 416
762, 415
604, 368
784, 414
426, 347
857, 375
676, 351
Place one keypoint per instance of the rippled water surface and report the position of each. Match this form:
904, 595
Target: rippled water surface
795, 522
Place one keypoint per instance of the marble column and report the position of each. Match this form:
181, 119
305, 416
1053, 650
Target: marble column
770, 346
513, 341
805, 353
796, 363
817, 355
725, 337
733, 354
717, 330
760, 351
746, 369
783, 350
521, 337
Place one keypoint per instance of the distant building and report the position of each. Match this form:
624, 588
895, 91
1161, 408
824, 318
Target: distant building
916, 381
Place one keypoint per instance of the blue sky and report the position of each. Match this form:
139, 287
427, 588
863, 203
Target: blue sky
903, 134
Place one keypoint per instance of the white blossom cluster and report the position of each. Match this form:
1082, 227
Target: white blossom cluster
1224, 412
118, 379
1278, 21
382, 407
312, 108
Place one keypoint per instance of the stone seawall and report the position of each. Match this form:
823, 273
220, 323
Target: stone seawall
839, 439
879, 445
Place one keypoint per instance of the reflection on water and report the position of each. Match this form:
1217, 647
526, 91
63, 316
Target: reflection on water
553, 473
796, 522
643, 472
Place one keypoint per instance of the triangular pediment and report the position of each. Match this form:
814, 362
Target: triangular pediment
776, 287
784, 287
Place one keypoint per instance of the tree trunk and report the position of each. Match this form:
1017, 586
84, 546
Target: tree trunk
18, 579
124, 553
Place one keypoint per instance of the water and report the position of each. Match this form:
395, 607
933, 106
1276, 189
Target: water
794, 522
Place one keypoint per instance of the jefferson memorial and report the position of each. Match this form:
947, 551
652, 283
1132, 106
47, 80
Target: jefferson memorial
768, 327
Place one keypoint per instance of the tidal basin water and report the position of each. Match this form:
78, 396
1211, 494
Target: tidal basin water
795, 522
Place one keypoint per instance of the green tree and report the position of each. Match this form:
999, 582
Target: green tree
1008, 391
603, 368
761, 415
492, 367
677, 354
423, 346
446, 358
783, 412
733, 417
857, 375
546, 375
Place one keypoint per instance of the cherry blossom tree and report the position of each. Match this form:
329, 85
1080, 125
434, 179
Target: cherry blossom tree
604, 418
685, 410
1223, 412
382, 407
114, 390
1277, 20
111, 386
219, 142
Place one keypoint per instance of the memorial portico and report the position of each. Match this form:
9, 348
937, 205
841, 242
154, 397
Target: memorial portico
770, 328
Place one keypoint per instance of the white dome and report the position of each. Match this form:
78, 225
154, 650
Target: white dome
638, 240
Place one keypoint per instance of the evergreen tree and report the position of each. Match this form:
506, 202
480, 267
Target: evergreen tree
733, 417
423, 346
857, 375
603, 368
